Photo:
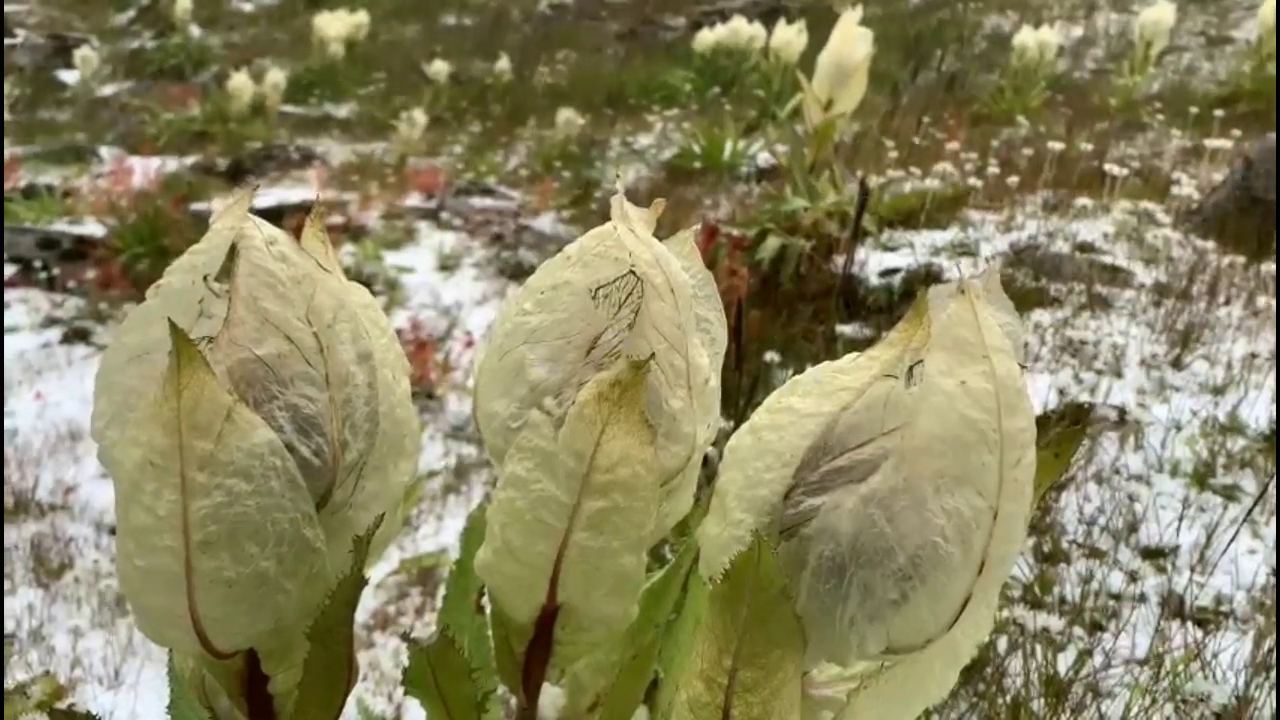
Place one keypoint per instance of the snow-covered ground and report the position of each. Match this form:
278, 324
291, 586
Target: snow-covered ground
1184, 341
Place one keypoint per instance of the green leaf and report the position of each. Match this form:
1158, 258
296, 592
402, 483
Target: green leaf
677, 645
182, 703
1059, 435
329, 671
439, 676
432, 675
508, 649
748, 651
461, 612
613, 682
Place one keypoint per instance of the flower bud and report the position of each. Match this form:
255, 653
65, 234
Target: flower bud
841, 71
253, 413
616, 292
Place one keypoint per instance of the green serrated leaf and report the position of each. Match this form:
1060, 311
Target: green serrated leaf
748, 651
677, 645
508, 649
329, 671
613, 682
182, 702
439, 676
1059, 435
461, 612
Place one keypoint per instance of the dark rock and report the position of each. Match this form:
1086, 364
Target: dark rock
1240, 212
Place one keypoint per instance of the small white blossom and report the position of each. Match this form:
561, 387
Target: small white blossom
87, 62
502, 68
241, 90
274, 82
438, 71
410, 127
569, 122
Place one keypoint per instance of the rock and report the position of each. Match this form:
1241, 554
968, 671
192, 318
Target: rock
1240, 212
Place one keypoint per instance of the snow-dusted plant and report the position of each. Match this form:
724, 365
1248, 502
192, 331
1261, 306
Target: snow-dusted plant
1022, 86
253, 413
1151, 32
846, 562
334, 31
898, 486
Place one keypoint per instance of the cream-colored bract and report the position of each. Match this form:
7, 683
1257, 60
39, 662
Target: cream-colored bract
582, 494
254, 415
616, 292
899, 484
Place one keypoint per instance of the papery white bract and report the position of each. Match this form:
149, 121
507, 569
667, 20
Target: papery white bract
898, 483
614, 292
841, 72
253, 413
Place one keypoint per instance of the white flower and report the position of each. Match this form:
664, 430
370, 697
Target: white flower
1267, 19
743, 34
329, 30
438, 71
358, 22
410, 126
274, 82
708, 39
333, 30
502, 69
842, 70
87, 62
240, 89
1049, 42
1035, 48
1152, 27
569, 122
1025, 48
180, 11
788, 41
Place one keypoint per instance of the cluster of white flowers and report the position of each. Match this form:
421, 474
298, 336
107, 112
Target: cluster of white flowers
1152, 29
1035, 48
334, 30
784, 45
735, 34
242, 90
410, 126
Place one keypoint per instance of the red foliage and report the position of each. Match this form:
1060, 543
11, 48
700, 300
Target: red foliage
430, 181
422, 350
12, 172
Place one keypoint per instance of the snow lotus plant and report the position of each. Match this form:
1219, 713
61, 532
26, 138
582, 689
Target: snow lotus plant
253, 413
846, 563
